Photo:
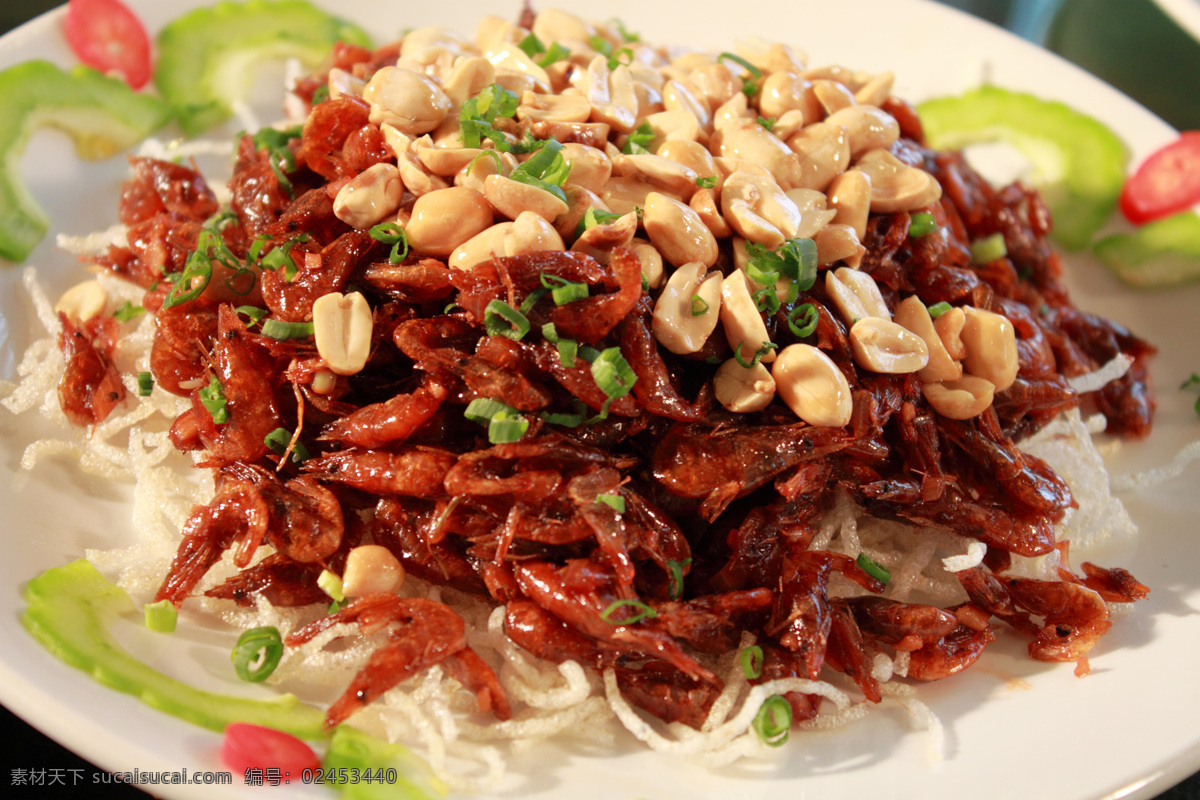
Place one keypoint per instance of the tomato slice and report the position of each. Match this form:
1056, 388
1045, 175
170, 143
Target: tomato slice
249, 746
106, 35
1166, 182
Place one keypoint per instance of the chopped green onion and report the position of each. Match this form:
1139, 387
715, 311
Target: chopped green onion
675, 577
767, 122
746, 65
988, 249
922, 224
763, 349
504, 423
707, 182
613, 374
626, 35
795, 259
773, 721
568, 349
614, 501
391, 233
161, 616
872, 568
699, 306
1194, 380
562, 290
802, 320
282, 331
281, 258
531, 45
766, 299
197, 272
937, 309
637, 141
320, 95
546, 169
593, 217
213, 399
642, 611
482, 409
752, 661
128, 311
562, 418
501, 319
506, 428
279, 439
479, 112
279, 155
253, 312
532, 299
331, 584
257, 653
553, 55
145, 384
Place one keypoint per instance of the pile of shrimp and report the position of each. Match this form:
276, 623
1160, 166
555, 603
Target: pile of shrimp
723, 535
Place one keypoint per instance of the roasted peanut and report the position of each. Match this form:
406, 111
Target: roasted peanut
742, 390
880, 345
758, 209
342, 329
812, 386
741, 319
407, 100
677, 231
949, 329
371, 568
855, 295
370, 196
895, 186
838, 243
444, 219
912, 314
83, 301
991, 343
850, 195
967, 397
824, 150
675, 323
511, 197
869, 128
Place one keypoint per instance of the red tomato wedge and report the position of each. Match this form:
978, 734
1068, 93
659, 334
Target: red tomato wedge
106, 35
1167, 182
249, 746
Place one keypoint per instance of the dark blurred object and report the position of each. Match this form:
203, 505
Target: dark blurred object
1137, 48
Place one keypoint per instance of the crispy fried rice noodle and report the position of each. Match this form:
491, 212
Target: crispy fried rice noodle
614, 558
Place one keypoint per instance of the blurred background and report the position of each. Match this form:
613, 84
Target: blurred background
1149, 49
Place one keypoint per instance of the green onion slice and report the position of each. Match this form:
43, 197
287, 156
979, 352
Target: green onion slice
145, 384
501, 319
161, 616
637, 142
213, 399
282, 331
988, 249
803, 319
743, 63
128, 311
921, 224
562, 290
873, 568
391, 233
279, 439
675, 577
937, 309
751, 659
612, 373
641, 612
773, 721
699, 306
765, 348
331, 584
257, 653
707, 182
614, 501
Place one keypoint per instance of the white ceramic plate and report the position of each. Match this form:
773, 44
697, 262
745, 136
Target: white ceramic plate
1014, 728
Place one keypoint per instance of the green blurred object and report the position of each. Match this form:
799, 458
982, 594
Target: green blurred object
1136, 47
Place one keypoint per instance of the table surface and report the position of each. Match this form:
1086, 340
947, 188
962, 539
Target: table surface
32, 756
